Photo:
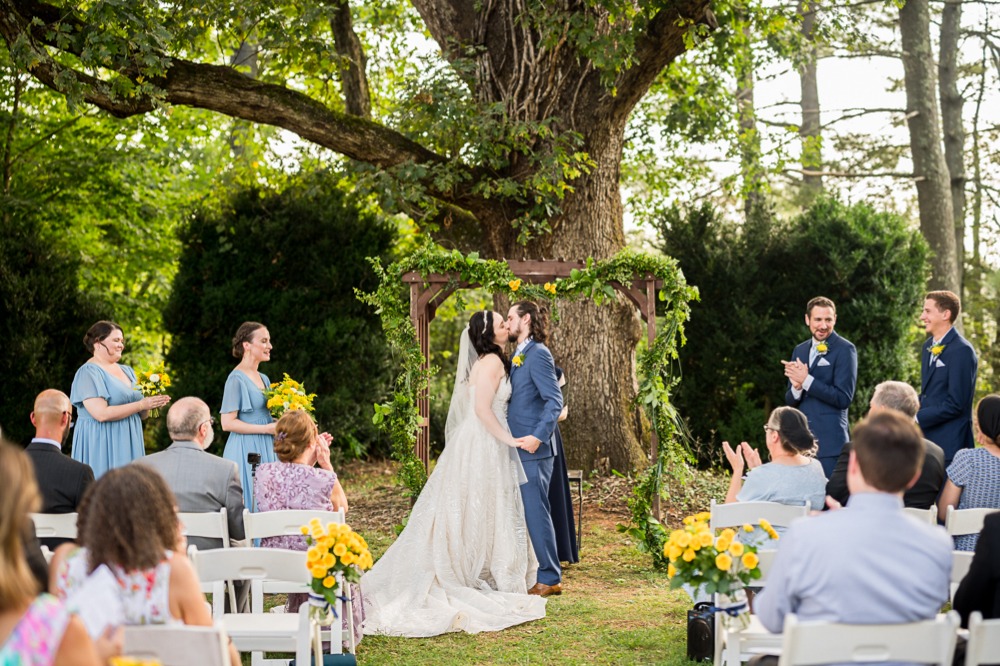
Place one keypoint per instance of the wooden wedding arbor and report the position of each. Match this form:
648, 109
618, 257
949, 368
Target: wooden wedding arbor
428, 293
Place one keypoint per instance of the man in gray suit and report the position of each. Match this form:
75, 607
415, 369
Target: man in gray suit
201, 482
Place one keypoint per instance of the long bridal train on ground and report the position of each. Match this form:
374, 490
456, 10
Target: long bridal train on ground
464, 561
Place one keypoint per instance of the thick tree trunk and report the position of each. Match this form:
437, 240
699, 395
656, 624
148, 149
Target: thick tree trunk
809, 129
951, 123
937, 220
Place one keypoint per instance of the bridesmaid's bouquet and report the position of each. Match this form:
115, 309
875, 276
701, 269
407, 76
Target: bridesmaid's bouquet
335, 548
153, 381
288, 395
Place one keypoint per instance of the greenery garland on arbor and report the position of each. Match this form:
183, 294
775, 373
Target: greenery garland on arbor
398, 416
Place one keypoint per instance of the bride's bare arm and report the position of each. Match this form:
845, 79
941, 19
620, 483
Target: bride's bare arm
489, 374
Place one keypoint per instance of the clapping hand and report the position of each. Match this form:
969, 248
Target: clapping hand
322, 450
752, 456
796, 371
735, 458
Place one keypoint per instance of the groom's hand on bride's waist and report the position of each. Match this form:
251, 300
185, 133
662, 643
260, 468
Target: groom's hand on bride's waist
528, 443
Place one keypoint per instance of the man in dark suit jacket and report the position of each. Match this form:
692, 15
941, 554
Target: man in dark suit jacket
948, 366
822, 376
900, 397
61, 480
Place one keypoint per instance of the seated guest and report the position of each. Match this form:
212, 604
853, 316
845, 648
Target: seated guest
201, 482
61, 480
900, 397
974, 474
868, 563
980, 589
127, 522
34, 629
294, 483
792, 477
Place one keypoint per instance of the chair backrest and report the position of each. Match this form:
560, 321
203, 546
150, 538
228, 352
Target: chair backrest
250, 564
211, 525
961, 560
742, 513
57, 525
178, 645
928, 516
811, 643
765, 558
965, 521
284, 523
984, 640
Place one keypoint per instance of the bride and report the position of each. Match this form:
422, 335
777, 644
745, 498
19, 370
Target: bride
464, 561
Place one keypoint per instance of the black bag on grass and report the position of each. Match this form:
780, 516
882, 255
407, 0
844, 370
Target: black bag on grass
701, 633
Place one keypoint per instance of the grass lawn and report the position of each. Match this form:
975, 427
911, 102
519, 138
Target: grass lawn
616, 608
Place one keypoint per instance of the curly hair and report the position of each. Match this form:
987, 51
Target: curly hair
292, 434
539, 322
483, 337
244, 334
18, 497
127, 519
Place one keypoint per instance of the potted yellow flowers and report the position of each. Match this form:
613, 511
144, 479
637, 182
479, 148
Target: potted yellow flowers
333, 549
287, 395
719, 565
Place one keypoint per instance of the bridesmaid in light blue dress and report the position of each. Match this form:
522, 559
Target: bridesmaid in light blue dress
244, 410
108, 432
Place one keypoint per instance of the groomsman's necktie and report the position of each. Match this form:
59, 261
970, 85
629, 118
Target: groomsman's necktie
812, 355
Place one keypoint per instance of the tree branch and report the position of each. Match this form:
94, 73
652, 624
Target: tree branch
353, 77
846, 174
224, 90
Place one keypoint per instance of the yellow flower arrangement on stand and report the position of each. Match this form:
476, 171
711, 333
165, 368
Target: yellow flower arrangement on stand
333, 549
154, 381
722, 565
288, 395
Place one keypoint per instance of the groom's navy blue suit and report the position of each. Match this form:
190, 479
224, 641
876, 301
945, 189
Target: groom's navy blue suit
947, 391
535, 404
825, 403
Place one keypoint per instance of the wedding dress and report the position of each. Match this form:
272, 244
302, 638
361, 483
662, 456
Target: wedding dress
464, 561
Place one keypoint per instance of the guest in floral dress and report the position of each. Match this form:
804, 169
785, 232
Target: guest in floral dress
37, 630
294, 483
127, 523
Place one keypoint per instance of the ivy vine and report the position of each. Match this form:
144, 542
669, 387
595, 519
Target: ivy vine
399, 418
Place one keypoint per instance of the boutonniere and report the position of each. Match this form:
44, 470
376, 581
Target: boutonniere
936, 350
822, 348
518, 360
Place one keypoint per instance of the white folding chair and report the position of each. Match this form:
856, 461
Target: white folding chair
737, 514
210, 525
965, 521
178, 645
811, 643
289, 523
984, 641
929, 516
754, 637
55, 525
257, 631
961, 560
47, 554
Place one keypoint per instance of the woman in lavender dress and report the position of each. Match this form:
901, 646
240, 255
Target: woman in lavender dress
294, 483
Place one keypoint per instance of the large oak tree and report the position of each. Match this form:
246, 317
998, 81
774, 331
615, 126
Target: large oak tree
544, 89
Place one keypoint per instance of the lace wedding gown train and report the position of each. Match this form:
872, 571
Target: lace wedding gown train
464, 561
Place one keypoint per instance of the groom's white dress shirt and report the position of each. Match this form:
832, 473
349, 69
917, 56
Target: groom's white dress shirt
521, 346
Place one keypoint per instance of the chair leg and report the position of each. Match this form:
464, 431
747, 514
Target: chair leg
579, 523
349, 614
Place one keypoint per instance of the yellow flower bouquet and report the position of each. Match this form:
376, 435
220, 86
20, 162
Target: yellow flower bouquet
287, 395
720, 564
154, 381
334, 549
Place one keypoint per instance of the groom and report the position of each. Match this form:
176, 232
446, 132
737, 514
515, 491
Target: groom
535, 404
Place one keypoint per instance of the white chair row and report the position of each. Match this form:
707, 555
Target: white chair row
965, 521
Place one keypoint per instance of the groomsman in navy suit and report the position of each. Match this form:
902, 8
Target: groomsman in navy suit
821, 379
948, 366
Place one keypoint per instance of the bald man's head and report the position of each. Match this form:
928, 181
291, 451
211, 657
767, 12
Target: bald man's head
52, 415
185, 418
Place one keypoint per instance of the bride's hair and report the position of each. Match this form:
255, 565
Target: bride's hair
482, 336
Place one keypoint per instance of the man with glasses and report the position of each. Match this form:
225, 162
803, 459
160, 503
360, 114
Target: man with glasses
61, 480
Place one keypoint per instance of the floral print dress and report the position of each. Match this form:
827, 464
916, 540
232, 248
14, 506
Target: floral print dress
36, 637
145, 595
